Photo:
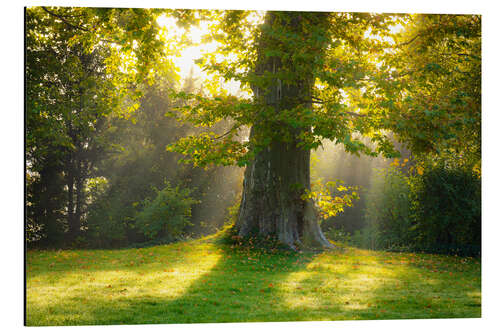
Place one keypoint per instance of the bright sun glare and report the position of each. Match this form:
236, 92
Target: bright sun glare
185, 60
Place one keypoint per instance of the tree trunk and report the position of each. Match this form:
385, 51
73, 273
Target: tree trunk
72, 223
72, 182
279, 174
79, 189
271, 203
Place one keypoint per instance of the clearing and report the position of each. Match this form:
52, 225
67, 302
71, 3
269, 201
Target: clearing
207, 281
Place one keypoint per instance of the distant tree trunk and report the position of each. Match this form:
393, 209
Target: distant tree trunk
72, 223
279, 174
74, 186
47, 203
76, 174
79, 189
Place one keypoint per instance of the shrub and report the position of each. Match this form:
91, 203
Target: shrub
446, 206
167, 215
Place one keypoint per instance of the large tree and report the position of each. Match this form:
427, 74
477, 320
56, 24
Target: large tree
298, 66
315, 76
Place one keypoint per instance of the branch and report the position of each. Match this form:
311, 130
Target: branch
319, 101
223, 135
464, 55
78, 27
355, 114
62, 18
408, 42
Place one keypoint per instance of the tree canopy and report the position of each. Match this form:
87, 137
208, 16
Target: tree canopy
417, 76
368, 82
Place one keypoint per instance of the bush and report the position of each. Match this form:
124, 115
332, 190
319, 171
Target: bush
437, 210
167, 215
446, 206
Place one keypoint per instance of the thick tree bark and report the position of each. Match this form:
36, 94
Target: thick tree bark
279, 174
271, 202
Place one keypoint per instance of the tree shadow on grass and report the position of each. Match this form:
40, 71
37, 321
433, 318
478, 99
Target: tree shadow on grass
251, 285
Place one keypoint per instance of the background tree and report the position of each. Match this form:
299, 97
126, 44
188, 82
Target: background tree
73, 82
138, 167
67, 93
431, 97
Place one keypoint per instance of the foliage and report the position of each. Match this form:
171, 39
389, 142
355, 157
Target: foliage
431, 94
415, 75
332, 162
70, 61
388, 209
167, 215
93, 115
140, 162
110, 223
328, 199
446, 210
80, 63
130, 32
436, 209
330, 47
232, 212
67, 95
45, 218
365, 237
137, 161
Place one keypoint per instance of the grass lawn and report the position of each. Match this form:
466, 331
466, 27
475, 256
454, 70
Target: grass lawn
206, 281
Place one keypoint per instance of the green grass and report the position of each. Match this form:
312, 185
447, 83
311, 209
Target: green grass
205, 281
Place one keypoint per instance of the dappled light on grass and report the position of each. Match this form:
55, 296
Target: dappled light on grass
361, 284
342, 282
205, 281
69, 294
